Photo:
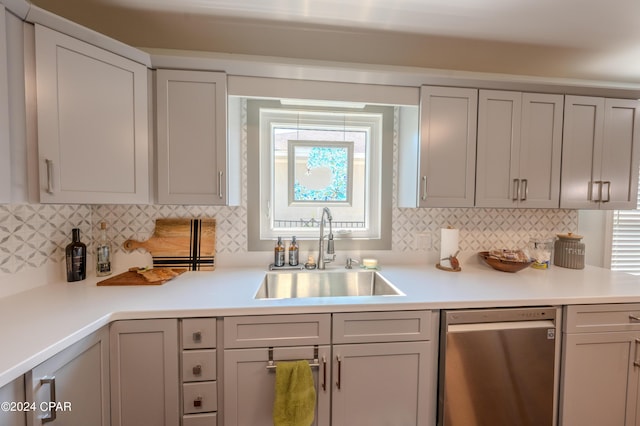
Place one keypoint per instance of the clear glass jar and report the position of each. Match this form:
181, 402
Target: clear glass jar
541, 250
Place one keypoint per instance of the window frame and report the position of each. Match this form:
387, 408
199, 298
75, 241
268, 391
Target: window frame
257, 204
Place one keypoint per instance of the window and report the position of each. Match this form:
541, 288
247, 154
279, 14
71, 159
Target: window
310, 155
625, 241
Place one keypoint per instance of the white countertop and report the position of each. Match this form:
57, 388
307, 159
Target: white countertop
38, 323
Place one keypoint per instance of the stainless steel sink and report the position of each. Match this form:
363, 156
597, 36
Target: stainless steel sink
287, 285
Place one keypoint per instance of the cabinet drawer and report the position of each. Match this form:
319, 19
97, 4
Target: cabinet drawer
200, 397
401, 326
597, 318
198, 333
205, 419
277, 330
198, 365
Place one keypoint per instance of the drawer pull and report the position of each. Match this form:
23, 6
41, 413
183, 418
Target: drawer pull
634, 318
197, 403
197, 370
197, 337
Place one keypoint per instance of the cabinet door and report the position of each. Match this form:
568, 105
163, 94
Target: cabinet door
498, 174
599, 379
5, 154
13, 393
582, 136
192, 137
92, 123
384, 384
249, 385
76, 381
540, 150
620, 154
144, 373
448, 118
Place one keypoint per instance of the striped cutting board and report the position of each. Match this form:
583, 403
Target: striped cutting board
181, 243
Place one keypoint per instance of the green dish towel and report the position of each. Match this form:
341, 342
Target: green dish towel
295, 399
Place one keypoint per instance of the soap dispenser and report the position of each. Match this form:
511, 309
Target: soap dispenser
278, 251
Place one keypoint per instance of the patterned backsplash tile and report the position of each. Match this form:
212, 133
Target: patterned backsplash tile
33, 234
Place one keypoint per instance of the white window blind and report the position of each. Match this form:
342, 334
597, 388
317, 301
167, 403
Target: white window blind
625, 242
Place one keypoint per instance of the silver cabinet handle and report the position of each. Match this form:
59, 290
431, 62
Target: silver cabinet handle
636, 363
49, 164
634, 318
197, 337
324, 373
424, 188
220, 184
197, 370
525, 190
608, 183
599, 183
516, 190
339, 371
51, 381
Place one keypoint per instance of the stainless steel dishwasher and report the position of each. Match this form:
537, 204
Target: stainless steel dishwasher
498, 367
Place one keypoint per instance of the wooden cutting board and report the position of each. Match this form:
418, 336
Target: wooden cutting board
181, 243
134, 278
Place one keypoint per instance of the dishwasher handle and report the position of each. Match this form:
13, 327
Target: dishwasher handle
508, 325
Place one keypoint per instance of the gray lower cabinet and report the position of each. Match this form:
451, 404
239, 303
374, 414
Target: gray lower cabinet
383, 384
380, 368
249, 383
144, 373
13, 394
72, 387
601, 366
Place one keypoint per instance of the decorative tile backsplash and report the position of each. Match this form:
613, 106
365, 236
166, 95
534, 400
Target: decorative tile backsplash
33, 234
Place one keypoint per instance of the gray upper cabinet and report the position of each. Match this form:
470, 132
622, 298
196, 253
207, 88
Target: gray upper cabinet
519, 149
448, 118
600, 153
5, 154
192, 137
92, 123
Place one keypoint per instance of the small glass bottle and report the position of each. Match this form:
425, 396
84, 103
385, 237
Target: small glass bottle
76, 256
103, 252
293, 252
278, 259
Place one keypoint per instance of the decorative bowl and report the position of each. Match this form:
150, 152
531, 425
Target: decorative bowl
502, 264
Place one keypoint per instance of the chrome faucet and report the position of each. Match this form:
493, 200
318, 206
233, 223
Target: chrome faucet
322, 260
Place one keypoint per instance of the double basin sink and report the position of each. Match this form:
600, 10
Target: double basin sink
288, 285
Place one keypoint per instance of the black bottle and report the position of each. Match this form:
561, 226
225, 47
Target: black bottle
76, 254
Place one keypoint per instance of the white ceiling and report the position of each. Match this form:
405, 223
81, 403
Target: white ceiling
572, 23
592, 39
